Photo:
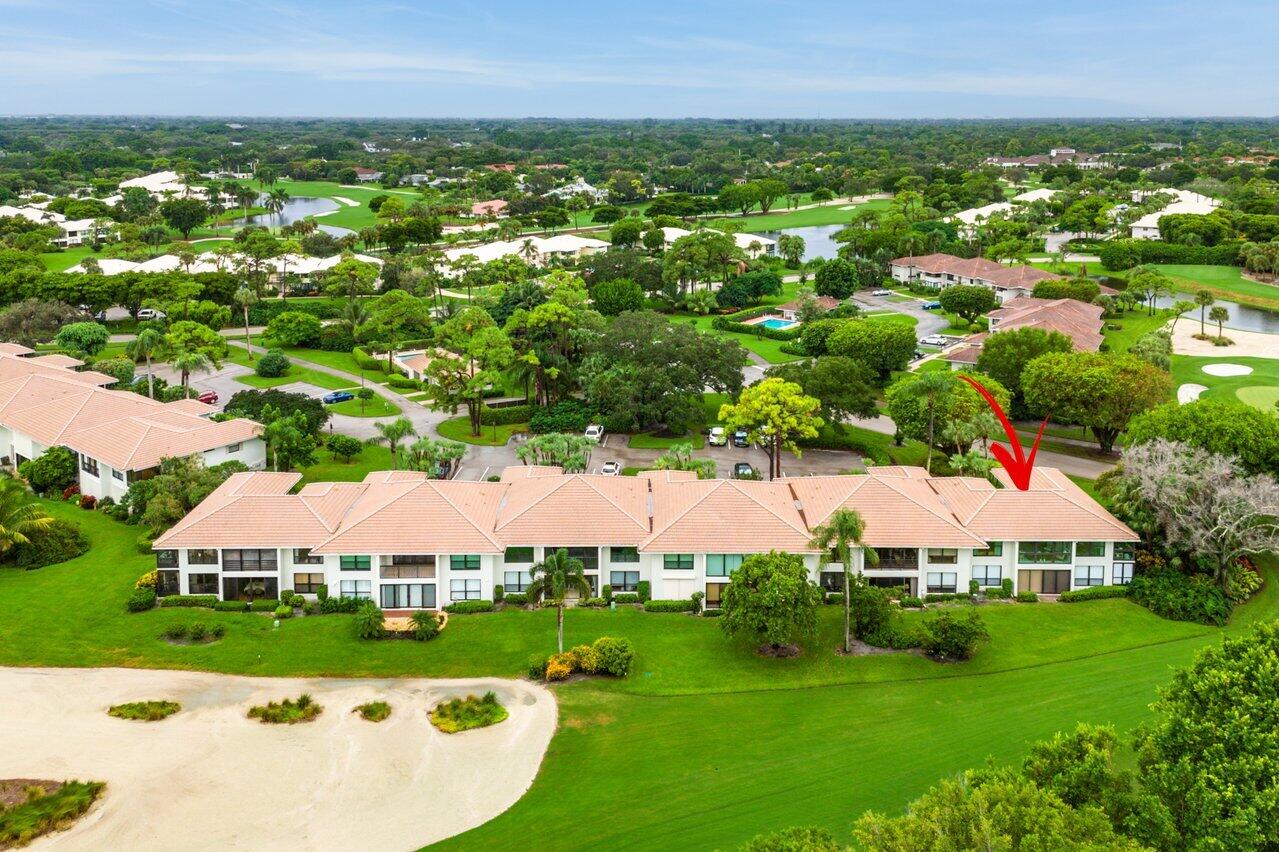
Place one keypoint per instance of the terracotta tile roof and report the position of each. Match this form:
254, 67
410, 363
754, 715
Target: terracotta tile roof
1079, 321
931, 263
127, 431
828, 303
1054, 509
604, 510
725, 516
15, 349
56, 359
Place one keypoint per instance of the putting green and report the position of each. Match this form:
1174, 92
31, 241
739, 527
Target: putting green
1260, 396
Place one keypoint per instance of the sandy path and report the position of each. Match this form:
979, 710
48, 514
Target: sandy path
209, 778
341, 199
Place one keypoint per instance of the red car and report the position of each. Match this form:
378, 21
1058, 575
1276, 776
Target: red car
208, 398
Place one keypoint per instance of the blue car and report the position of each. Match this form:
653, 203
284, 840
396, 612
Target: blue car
931, 306
337, 396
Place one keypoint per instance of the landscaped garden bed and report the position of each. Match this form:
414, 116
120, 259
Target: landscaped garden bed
465, 714
30, 807
287, 712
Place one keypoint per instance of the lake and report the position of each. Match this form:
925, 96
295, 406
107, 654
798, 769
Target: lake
1242, 317
818, 240
298, 207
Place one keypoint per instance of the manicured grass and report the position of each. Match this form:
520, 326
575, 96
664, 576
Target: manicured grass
1224, 282
465, 714
60, 261
145, 711
343, 361
768, 349
41, 814
830, 213
287, 712
378, 406
374, 711
1132, 326
328, 469
1257, 388
743, 748
459, 429
296, 373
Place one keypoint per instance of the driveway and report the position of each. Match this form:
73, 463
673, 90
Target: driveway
208, 777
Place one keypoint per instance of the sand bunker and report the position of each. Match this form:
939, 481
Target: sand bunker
1189, 393
210, 778
1226, 369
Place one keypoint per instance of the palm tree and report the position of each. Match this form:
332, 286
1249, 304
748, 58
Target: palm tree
355, 315
1219, 315
553, 578
148, 344
190, 362
19, 514
835, 538
275, 201
1180, 307
245, 297
245, 197
1204, 300
393, 434
931, 388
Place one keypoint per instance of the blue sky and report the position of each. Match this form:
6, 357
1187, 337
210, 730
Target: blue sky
746, 58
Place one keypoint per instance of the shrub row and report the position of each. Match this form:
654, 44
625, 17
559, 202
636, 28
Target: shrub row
205, 601
942, 598
506, 415
668, 606
728, 324
140, 600
262, 312
516, 599
626, 598
1125, 254
468, 607
1093, 593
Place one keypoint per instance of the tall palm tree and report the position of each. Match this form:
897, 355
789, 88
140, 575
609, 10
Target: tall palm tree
835, 539
20, 517
1219, 315
393, 434
275, 201
245, 297
190, 362
553, 578
1204, 300
355, 316
147, 345
931, 389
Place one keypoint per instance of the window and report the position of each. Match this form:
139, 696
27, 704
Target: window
88, 465
588, 556
942, 556
234, 448
249, 560
468, 562
166, 559
168, 583
302, 556
996, 549
407, 595
623, 581
362, 589
715, 594
307, 584
1125, 551
1090, 575
408, 567
355, 563
203, 584
623, 554
516, 581
464, 590
832, 581
722, 564
1121, 573
677, 561
1090, 548
940, 582
988, 576
518, 555
202, 556
117, 474
896, 559
413, 559
1043, 552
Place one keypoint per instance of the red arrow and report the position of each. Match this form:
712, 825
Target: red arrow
1018, 465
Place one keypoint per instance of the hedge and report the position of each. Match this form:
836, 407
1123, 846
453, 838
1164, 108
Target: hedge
59, 542
264, 605
469, 607
1093, 593
506, 415
403, 382
516, 598
626, 598
206, 601
1174, 595
141, 600
943, 598
262, 312
733, 322
668, 606
230, 606
365, 361
1125, 254
645, 589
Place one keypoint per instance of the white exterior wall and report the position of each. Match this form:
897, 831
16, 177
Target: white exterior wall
252, 453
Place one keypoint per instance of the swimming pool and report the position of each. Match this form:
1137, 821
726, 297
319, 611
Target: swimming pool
777, 322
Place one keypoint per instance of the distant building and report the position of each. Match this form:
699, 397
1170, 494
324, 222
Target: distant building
364, 175
579, 187
946, 270
753, 244
1055, 157
495, 207
1079, 321
1184, 201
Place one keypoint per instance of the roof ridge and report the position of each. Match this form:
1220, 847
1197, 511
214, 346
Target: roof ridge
714, 487
498, 524
432, 484
591, 484
947, 516
737, 485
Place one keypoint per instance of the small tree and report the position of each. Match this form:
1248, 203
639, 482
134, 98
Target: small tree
777, 413
245, 298
87, 337
953, 637
771, 600
835, 539
968, 301
393, 434
552, 579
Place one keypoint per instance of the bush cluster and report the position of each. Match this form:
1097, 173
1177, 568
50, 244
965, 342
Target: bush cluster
288, 711
464, 714
144, 711
1093, 593
934, 597
516, 599
1172, 594
331, 605
608, 655
204, 601
140, 600
571, 416
468, 607
196, 631
426, 625
911, 602
951, 636
59, 542
626, 598
668, 606
264, 605
272, 365
1027, 596
645, 589
230, 606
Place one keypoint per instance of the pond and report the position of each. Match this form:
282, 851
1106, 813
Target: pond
1242, 317
298, 207
818, 240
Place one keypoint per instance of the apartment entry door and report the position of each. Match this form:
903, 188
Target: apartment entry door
1045, 581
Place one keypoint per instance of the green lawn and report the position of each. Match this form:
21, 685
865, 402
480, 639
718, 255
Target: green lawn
1131, 327
378, 406
295, 374
1224, 282
715, 744
328, 469
831, 213
1260, 388
459, 429
60, 261
652, 441
343, 361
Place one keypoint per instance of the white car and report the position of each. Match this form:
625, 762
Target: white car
150, 314
881, 292
935, 340
611, 468
717, 437
595, 432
